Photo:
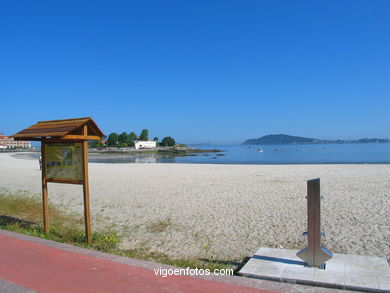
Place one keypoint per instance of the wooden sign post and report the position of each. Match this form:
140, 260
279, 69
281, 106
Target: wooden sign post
314, 255
87, 215
64, 152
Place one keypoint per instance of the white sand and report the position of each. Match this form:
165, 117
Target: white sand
223, 211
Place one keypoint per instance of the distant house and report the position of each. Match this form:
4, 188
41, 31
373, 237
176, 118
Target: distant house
139, 144
9, 142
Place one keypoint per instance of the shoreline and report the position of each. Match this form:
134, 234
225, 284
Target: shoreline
95, 156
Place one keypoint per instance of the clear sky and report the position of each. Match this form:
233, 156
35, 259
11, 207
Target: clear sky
200, 71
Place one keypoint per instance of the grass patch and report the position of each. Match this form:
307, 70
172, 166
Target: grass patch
23, 214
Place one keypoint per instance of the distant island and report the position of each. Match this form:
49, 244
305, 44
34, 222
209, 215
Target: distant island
289, 139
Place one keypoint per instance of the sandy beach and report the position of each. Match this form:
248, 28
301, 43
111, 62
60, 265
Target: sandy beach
224, 212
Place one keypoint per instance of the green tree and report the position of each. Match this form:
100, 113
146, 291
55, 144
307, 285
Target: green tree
95, 144
155, 139
112, 139
168, 141
123, 139
104, 141
144, 135
132, 138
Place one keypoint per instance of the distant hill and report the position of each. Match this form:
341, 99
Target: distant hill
289, 139
279, 139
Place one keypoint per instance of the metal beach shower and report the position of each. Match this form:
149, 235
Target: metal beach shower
314, 255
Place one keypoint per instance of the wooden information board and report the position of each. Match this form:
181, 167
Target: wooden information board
64, 151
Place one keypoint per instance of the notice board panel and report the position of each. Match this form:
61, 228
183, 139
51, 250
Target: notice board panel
64, 161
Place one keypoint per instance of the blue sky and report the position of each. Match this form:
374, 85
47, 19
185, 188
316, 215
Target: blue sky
200, 71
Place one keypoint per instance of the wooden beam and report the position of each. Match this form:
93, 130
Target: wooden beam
60, 140
44, 190
63, 180
83, 137
66, 120
28, 138
87, 215
40, 134
66, 129
73, 124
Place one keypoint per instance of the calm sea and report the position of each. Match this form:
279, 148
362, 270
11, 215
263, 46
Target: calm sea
376, 153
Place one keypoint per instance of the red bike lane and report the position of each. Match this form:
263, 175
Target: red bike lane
47, 269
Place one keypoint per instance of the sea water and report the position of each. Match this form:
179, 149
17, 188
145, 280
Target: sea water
373, 153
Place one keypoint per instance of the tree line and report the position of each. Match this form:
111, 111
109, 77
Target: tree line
128, 140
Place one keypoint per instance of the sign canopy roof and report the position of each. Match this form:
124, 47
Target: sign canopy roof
67, 129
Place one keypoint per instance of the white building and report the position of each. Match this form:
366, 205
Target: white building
139, 144
9, 142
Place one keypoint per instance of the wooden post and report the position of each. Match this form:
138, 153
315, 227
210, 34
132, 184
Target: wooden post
87, 216
44, 190
314, 254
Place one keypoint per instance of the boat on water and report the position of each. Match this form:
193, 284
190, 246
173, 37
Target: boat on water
260, 150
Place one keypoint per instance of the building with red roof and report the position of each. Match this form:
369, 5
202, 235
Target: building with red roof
7, 142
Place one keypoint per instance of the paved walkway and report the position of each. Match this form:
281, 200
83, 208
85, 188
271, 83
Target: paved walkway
29, 264
47, 269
